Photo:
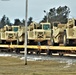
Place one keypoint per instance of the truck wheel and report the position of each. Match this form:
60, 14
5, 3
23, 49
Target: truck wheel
17, 51
37, 52
61, 54
49, 52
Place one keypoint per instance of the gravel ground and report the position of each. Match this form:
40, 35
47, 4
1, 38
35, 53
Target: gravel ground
65, 59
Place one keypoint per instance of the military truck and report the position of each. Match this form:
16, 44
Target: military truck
12, 34
70, 33
39, 32
57, 33
31, 33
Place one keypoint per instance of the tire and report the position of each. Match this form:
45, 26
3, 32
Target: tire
17, 51
37, 52
61, 54
49, 52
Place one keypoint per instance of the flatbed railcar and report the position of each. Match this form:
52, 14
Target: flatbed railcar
39, 49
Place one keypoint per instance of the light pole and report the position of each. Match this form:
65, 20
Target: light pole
46, 14
25, 51
26, 13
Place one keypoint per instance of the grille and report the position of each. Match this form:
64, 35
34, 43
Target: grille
10, 36
40, 35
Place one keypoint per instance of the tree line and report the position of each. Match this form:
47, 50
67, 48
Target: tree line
6, 21
59, 14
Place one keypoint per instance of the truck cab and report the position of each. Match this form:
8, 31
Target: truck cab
39, 32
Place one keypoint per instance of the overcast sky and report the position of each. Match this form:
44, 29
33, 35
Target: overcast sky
16, 8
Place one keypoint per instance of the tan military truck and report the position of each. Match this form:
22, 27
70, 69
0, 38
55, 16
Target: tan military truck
57, 33
31, 32
39, 32
12, 34
70, 33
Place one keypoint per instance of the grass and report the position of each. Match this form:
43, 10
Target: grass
15, 66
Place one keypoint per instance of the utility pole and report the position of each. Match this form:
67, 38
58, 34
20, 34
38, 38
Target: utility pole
25, 51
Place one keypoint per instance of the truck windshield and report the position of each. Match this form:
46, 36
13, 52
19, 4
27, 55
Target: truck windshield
46, 26
15, 29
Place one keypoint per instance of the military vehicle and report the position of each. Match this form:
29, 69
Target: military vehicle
57, 33
12, 34
70, 33
31, 32
39, 32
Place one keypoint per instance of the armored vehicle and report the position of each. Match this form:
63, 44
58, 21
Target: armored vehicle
12, 34
39, 32
70, 33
